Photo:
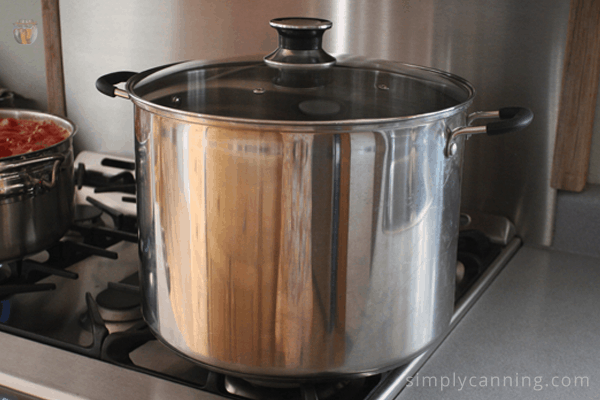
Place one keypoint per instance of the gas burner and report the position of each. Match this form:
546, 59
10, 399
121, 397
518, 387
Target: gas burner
119, 304
475, 253
85, 214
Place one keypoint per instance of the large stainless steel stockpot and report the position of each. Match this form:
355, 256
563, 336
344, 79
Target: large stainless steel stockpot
36, 192
299, 217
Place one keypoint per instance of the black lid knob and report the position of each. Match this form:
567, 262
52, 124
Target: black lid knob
300, 44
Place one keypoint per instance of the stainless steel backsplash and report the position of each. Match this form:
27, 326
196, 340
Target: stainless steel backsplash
511, 51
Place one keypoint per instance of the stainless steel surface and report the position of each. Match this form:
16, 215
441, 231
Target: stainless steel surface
537, 321
52, 373
291, 261
469, 130
511, 51
157, 357
36, 193
396, 381
121, 93
60, 317
528, 48
497, 228
451, 149
481, 115
10, 394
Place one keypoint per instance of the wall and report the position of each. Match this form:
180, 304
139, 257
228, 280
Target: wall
22, 67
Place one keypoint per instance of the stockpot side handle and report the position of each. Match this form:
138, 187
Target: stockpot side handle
5, 171
25, 163
106, 83
512, 119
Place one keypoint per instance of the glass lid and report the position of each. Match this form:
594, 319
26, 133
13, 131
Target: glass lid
301, 82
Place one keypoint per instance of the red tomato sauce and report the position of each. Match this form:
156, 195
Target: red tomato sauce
19, 136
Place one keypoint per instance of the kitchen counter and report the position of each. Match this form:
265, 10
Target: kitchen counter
538, 324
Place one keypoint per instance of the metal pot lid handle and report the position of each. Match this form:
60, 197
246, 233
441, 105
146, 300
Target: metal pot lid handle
512, 119
106, 83
300, 44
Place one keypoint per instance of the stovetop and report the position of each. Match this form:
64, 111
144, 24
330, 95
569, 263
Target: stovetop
83, 300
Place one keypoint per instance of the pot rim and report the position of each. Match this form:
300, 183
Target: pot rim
19, 113
337, 125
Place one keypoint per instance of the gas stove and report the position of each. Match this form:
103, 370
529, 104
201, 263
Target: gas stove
71, 324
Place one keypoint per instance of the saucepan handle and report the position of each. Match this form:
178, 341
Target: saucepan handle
106, 83
512, 119
29, 182
26, 163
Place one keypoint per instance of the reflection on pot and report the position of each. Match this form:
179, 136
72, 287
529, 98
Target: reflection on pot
25, 31
410, 179
7, 99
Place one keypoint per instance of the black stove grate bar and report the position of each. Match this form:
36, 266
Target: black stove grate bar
79, 176
25, 273
29, 266
126, 188
121, 221
91, 250
99, 333
83, 177
111, 162
66, 253
97, 232
6, 290
124, 287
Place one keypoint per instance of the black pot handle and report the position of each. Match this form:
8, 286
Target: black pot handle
513, 119
106, 83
